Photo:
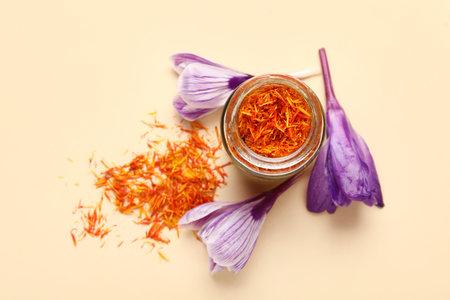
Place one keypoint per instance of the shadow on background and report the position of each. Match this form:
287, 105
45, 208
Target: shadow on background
229, 280
346, 217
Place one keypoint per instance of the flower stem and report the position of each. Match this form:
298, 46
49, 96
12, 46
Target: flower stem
278, 190
269, 197
329, 92
305, 73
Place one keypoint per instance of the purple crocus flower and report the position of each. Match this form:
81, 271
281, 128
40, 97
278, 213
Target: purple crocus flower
205, 86
344, 169
229, 229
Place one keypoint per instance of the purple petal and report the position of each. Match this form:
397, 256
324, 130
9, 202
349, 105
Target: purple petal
372, 180
230, 229
338, 198
231, 237
199, 216
206, 86
188, 112
181, 60
213, 267
318, 196
349, 170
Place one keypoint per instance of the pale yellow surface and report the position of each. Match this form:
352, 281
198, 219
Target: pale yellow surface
79, 76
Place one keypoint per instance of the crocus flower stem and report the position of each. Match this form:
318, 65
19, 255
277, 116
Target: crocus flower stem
303, 74
272, 195
329, 92
277, 191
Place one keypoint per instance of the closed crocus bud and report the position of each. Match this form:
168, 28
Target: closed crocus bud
344, 170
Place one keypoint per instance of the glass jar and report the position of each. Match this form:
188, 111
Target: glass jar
272, 167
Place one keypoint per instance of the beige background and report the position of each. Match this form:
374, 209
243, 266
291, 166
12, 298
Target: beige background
79, 76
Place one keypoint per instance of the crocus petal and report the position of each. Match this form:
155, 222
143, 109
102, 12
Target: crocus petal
319, 196
350, 162
181, 60
372, 179
208, 86
198, 216
188, 112
214, 268
231, 238
338, 198
230, 229
349, 169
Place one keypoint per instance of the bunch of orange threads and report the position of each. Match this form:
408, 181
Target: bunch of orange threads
274, 120
158, 187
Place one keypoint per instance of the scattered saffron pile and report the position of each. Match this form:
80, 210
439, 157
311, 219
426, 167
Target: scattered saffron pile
159, 186
274, 120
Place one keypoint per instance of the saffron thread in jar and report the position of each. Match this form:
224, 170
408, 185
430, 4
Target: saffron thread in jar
274, 120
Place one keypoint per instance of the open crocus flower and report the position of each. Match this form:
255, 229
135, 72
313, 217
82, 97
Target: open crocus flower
344, 169
204, 86
229, 229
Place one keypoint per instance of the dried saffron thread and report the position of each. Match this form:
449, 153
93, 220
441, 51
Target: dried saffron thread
274, 120
161, 187
94, 222
74, 239
158, 187
162, 256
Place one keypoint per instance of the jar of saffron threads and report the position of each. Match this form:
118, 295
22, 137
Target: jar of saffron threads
273, 126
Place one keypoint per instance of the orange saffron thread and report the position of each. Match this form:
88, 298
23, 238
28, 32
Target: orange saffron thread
196, 236
158, 187
274, 120
162, 256
94, 222
73, 237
